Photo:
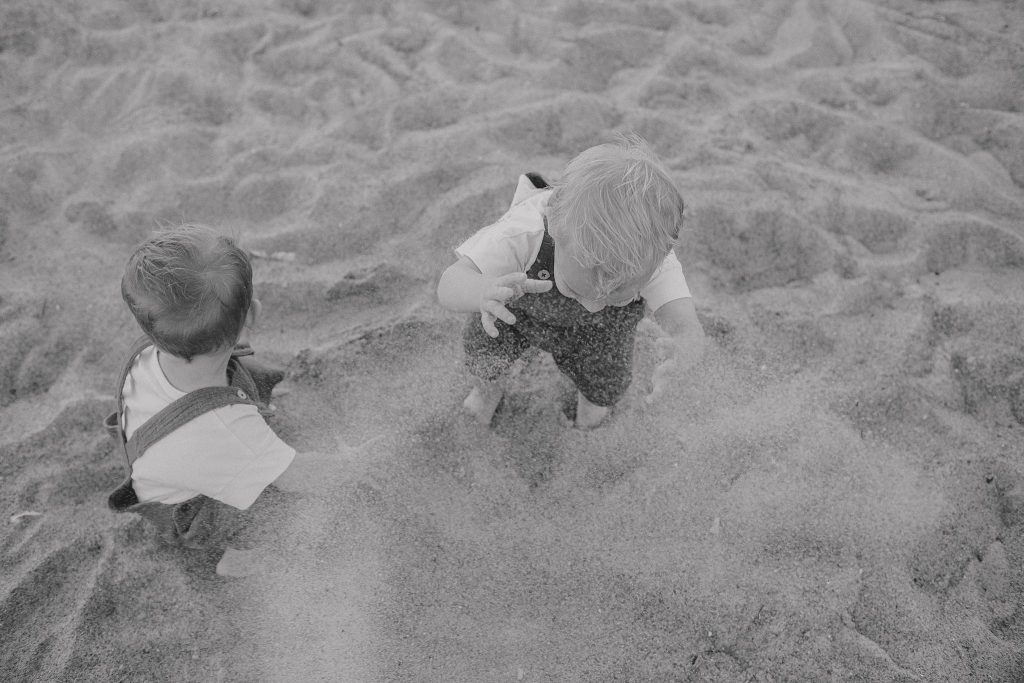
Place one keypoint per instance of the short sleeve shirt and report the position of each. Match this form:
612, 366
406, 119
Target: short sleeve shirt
229, 454
512, 243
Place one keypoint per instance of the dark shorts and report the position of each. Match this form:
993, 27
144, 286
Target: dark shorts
597, 358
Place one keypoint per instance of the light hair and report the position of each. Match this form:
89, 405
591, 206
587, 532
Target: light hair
618, 209
190, 289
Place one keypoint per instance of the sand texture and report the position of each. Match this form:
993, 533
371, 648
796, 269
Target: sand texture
835, 493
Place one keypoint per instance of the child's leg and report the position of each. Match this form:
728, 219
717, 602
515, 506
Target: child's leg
600, 364
484, 398
248, 536
589, 415
488, 359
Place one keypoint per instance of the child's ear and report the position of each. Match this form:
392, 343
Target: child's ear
255, 308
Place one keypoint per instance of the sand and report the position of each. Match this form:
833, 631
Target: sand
835, 493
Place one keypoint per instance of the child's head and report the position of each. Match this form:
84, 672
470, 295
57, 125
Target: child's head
190, 289
616, 214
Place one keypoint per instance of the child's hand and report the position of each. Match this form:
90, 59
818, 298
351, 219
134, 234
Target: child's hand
500, 291
667, 350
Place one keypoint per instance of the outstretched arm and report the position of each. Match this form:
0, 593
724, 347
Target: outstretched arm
311, 472
682, 348
464, 288
317, 472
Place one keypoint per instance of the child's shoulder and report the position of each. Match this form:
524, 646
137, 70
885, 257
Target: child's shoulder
522, 223
526, 212
528, 185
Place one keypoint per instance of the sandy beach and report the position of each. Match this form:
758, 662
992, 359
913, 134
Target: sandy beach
835, 493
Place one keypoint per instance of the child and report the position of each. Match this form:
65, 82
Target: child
190, 290
571, 270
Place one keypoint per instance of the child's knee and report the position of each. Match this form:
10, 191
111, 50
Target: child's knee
488, 357
606, 393
602, 380
487, 367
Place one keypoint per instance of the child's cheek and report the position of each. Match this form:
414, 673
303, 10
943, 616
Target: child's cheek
560, 279
562, 289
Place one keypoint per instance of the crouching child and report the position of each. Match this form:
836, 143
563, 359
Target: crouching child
572, 268
192, 400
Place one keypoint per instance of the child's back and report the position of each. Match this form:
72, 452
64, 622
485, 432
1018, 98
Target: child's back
229, 453
190, 290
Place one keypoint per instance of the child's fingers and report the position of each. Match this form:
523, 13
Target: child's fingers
487, 322
511, 279
536, 286
657, 390
508, 287
491, 311
517, 284
504, 294
654, 396
660, 378
665, 348
500, 312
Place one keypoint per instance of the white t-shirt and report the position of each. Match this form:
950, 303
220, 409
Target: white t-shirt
512, 244
229, 454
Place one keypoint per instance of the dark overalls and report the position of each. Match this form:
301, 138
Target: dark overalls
199, 521
595, 350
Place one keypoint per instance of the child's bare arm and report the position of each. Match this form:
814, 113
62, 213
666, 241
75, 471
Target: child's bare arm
464, 288
682, 348
678, 318
313, 472
317, 472
461, 286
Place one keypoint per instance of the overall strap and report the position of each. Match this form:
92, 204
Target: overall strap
543, 267
544, 264
537, 181
138, 346
183, 410
239, 376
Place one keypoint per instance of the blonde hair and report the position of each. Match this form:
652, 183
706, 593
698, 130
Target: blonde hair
190, 289
618, 207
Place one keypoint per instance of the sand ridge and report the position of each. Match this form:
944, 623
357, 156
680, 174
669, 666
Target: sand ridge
834, 493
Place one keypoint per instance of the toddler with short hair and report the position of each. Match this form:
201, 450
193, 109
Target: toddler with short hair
571, 269
190, 289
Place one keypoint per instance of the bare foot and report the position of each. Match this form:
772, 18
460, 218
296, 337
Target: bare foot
483, 400
589, 415
240, 563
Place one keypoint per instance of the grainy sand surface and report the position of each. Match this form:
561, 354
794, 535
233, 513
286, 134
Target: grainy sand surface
836, 493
